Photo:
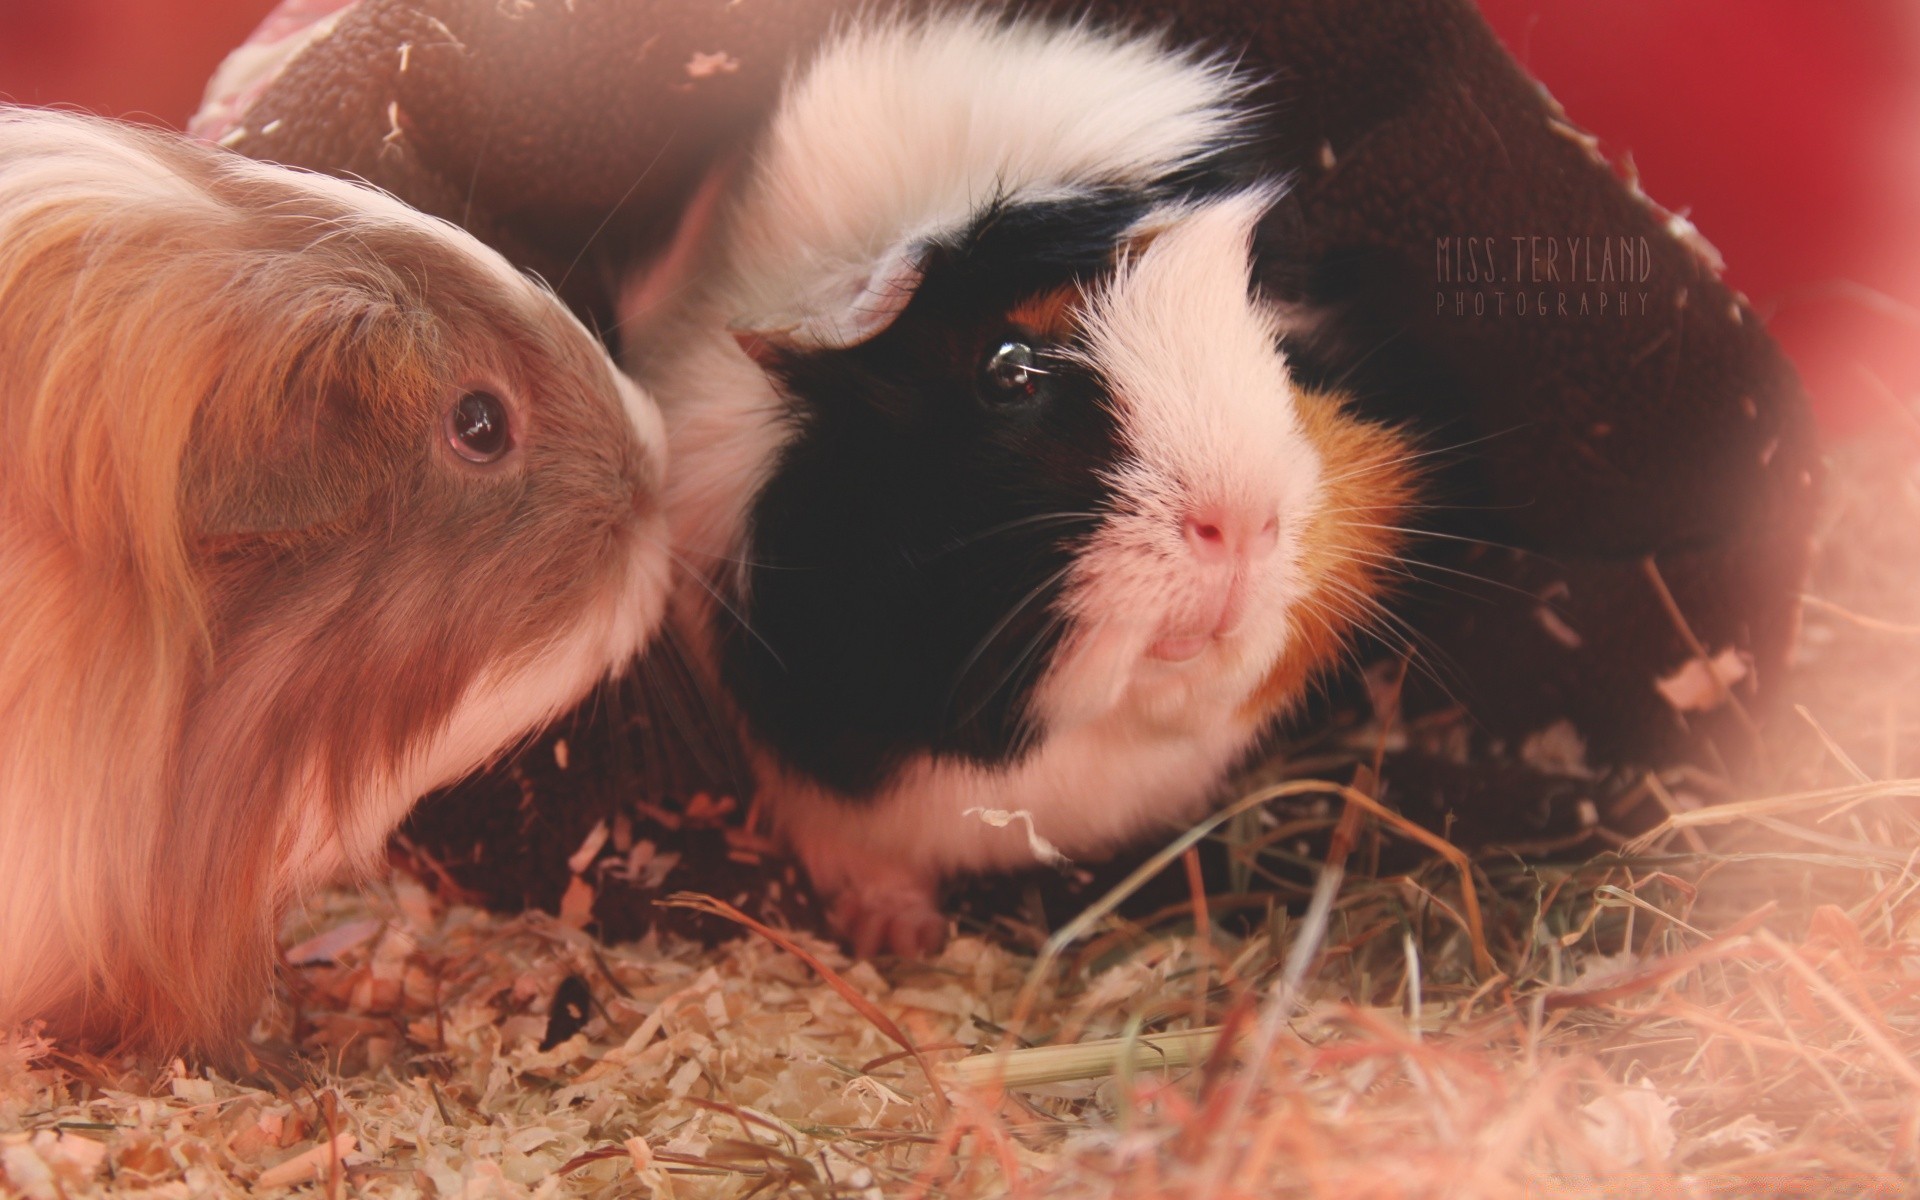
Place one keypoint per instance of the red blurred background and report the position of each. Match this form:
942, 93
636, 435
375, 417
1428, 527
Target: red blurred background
1789, 131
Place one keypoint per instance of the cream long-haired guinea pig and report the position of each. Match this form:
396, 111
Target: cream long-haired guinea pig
311, 504
990, 453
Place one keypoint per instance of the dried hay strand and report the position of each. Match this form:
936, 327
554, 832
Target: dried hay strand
1725, 1006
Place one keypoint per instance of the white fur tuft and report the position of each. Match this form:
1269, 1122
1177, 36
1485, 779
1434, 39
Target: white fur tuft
899, 132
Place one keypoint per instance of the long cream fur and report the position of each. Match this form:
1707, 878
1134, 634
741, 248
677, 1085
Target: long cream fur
163, 787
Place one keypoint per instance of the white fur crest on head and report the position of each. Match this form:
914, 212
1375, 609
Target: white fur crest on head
1213, 420
885, 140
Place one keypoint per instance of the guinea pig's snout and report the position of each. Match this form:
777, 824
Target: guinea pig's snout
1226, 546
1219, 534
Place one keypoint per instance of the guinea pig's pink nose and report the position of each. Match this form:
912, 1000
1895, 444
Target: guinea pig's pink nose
1218, 535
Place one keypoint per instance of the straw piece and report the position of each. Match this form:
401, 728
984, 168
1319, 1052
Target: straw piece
1095, 1059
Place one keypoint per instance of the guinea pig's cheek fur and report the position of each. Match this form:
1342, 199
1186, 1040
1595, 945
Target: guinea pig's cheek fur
1113, 611
523, 693
507, 697
1089, 677
642, 595
648, 426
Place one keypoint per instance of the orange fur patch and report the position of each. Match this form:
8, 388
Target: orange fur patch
1349, 546
1051, 315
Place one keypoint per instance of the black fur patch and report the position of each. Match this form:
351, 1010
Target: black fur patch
910, 550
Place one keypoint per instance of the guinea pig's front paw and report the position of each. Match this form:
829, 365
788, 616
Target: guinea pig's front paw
891, 916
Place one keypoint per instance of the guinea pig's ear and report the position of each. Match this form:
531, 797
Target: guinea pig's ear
276, 452
847, 309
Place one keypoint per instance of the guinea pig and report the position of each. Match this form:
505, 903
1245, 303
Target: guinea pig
312, 504
993, 490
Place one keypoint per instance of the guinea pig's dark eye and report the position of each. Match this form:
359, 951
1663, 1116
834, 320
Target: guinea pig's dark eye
1011, 373
477, 427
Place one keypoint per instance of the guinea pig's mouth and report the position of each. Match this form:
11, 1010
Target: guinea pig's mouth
1213, 620
1181, 647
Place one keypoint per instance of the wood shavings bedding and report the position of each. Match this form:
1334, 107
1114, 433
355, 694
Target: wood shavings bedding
431, 1033
718, 1072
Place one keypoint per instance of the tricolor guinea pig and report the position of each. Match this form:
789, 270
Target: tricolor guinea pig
992, 486
312, 504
